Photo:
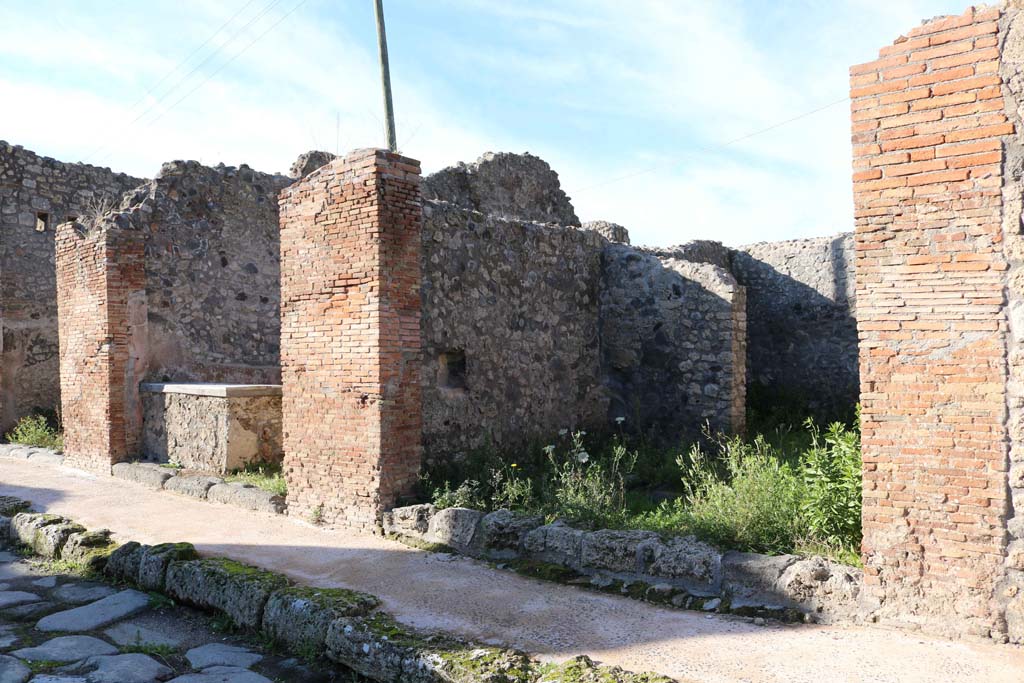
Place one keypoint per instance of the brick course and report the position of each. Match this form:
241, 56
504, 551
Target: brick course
350, 337
932, 325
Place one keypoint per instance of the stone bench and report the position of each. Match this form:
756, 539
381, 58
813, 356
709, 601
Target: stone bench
212, 427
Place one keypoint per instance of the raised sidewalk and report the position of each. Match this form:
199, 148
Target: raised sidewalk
469, 598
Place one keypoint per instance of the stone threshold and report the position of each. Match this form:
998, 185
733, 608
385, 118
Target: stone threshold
160, 478
675, 571
346, 627
210, 389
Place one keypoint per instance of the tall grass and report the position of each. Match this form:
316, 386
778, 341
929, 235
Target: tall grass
797, 493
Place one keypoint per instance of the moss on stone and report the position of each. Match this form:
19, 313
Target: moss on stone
237, 570
341, 600
487, 664
583, 670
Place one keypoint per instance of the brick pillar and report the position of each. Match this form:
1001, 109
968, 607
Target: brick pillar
101, 307
350, 337
928, 129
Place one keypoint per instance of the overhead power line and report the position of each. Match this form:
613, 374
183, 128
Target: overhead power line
714, 147
180, 81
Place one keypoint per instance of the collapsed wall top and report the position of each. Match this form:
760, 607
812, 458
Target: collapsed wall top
505, 185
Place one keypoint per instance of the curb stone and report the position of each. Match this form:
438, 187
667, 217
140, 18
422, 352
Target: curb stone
367, 640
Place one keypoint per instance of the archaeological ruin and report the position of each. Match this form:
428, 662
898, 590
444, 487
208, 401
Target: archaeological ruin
357, 320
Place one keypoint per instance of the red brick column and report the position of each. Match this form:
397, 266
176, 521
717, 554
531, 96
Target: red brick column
350, 337
101, 307
928, 126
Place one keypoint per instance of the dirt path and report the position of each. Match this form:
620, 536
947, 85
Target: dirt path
549, 620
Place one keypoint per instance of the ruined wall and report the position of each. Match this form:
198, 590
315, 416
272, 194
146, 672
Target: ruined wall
510, 330
802, 330
503, 185
212, 273
36, 195
351, 237
928, 132
673, 343
209, 308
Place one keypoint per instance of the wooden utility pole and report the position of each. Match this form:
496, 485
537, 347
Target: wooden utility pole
385, 77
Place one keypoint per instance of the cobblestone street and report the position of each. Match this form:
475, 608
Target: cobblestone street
58, 627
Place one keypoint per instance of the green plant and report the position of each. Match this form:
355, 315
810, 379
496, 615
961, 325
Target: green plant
317, 515
265, 475
469, 494
584, 489
831, 472
36, 430
748, 499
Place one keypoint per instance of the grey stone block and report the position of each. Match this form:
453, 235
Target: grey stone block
237, 590
357, 644
45, 456
614, 551
12, 598
455, 527
555, 543
221, 654
196, 486
685, 560
89, 548
129, 668
301, 616
13, 671
45, 534
66, 649
96, 614
78, 593
154, 560
246, 496
413, 520
752, 578
147, 474
503, 532
10, 506
123, 563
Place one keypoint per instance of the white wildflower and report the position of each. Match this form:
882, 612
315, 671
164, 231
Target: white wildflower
583, 457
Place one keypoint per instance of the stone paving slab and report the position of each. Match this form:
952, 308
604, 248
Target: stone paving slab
129, 668
13, 670
219, 654
66, 649
477, 601
12, 598
222, 675
77, 593
96, 614
130, 634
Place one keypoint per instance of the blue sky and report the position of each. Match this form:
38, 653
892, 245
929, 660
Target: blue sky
631, 102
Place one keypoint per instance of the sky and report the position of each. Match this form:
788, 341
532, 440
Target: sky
661, 115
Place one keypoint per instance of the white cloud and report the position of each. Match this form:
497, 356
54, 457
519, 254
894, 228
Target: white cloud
617, 87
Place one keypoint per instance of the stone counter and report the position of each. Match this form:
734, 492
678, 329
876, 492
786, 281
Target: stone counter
212, 427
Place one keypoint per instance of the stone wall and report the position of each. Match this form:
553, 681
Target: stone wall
209, 310
351, 237
212, 273
929, 129
36, 195
802, 329
503, 185
510, 330
673, 343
